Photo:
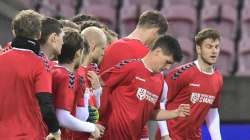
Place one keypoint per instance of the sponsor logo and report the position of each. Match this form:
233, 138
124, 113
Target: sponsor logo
143, 94
202, 98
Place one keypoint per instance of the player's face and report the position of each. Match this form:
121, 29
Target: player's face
58, 43
209, 51
98, 53
77, 58
163, 62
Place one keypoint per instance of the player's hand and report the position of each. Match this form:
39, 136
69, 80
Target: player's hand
101, 128
167, 137
183, 110
93, 114
94, 79
99, 131
54, 136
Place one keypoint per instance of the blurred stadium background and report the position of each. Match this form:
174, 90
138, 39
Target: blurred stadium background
185, 17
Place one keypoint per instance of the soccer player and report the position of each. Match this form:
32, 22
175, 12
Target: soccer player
199, 84
95, 40
135, 87
25, 84
136, 45
52, 38
68, 89
150, 26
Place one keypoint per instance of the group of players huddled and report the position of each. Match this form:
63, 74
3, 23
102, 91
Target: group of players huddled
75, 80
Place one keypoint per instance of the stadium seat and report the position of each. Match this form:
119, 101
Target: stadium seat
27, 3
110, 3
224, 20
244, 58
182, 20
187, 48
226, 58
128, 19
231, 3
245, 20
147, 3
191, 3
104, 13
67, 10
49, 8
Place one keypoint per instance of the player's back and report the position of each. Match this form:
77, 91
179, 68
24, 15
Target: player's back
20, 116
123, 49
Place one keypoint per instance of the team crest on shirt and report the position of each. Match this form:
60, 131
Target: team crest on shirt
143, 94
201, 98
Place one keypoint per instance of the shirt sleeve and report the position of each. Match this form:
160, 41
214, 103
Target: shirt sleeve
111, 53
43, 79
216, 103
117, 75
173, 83
64, 94
80, 95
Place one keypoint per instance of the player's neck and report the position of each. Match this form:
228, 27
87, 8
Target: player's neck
138, 34
86, 61
204, 67
147, 63
47, 52
69, 66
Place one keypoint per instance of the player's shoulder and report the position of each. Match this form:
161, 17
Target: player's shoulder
59, 71
181, 71
218, 74
125, 43
5, 50
81, 70
129, 63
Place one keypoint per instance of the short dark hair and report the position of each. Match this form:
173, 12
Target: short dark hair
72, 43
90, 23
27, 23
70, 24
49, 26
78, 19
206, 33
110, 35
153, 19
169, 45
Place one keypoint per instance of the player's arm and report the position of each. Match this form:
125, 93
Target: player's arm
116, 75
43, 87
213, 118
66, 120
82, 109
98, 93
48, 111
182, 111
163, 124
213, 123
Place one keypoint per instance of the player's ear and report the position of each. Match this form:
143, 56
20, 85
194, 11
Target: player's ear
198, 48
52, 37
92, 46
13, 33
158, 51
78, 54
39, 35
